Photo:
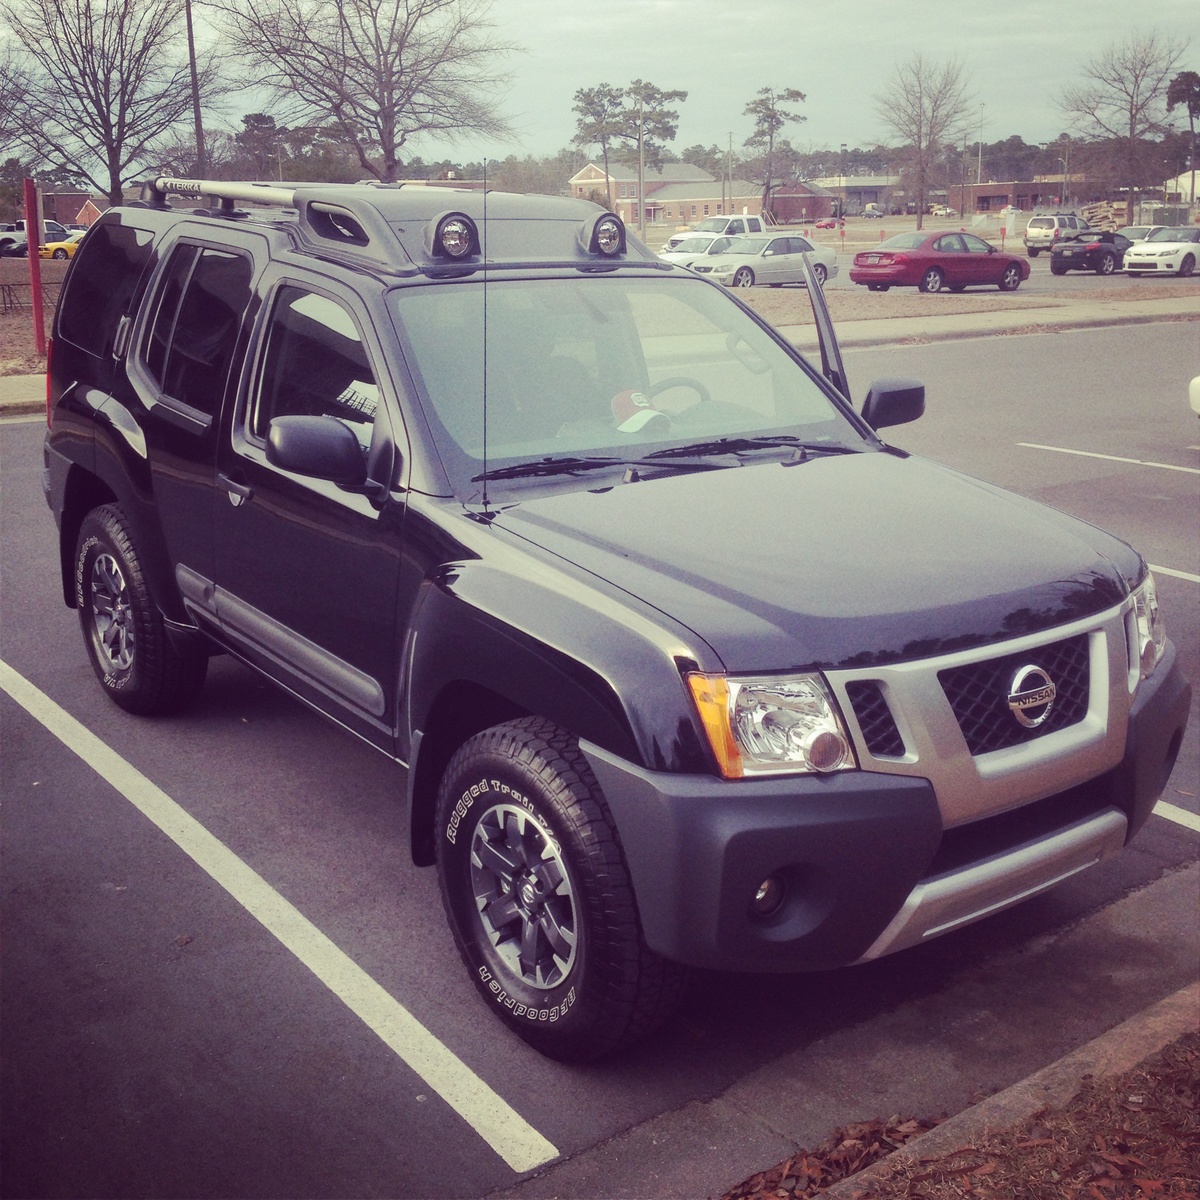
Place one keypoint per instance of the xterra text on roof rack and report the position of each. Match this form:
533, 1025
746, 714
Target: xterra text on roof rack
683, 663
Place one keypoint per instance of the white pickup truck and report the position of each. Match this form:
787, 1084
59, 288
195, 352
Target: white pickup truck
732, 226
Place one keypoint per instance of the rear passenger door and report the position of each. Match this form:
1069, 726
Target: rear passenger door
187, 355
953, 259
306, 570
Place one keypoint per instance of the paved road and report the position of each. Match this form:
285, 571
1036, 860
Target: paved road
159, 1040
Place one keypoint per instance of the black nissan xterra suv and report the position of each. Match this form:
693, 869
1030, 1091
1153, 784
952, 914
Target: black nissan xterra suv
684, 665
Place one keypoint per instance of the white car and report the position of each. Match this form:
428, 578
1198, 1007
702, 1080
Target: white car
696, 246
767, 258
1172, 250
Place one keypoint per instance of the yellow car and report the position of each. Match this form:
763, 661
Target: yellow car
61, 249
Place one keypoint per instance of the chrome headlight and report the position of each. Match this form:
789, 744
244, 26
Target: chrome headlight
771, 725
1147, 631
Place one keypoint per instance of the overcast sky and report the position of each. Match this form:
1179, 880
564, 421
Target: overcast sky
1017, 56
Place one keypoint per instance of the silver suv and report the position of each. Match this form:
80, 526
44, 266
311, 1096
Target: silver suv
1042, 232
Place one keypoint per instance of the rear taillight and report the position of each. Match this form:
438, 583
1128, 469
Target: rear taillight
49, 355
1092, 246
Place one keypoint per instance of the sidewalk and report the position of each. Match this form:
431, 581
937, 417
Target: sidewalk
22, 395
1055, 319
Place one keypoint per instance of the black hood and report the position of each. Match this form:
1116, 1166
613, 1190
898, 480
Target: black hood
838, 561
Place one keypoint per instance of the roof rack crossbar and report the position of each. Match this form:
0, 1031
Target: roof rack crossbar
260, 193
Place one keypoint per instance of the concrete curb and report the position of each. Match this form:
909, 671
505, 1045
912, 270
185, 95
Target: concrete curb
1119, 1050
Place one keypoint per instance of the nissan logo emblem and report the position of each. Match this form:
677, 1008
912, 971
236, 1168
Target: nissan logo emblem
1031, 696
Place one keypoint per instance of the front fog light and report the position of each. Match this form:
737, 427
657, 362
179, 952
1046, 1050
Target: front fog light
771, 725
768, 896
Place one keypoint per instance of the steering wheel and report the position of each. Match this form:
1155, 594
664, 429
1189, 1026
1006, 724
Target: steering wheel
680, 381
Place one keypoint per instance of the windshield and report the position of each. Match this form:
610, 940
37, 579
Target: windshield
1173, 234
710, 225
694, 245
613, 368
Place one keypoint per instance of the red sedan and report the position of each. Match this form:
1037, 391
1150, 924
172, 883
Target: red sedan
933, 262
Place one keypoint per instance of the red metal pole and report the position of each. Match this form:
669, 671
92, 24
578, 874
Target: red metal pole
33, 239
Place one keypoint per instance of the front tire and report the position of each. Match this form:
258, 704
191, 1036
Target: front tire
820, 273
59, 254
137, 664
743, 277
1011, 279
931, 281
1187, 267
1107, 265
539, 899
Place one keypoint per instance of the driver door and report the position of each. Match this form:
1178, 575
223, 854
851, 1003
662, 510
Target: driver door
307, 571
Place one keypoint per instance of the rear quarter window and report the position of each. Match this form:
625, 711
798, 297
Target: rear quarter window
102, 282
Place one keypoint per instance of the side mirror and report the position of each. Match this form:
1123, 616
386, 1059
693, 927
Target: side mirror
893, 401
320, 447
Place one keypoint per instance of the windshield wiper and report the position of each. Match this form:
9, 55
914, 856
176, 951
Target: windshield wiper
548, 466
747, 445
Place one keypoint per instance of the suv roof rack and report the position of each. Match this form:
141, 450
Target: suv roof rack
330, 216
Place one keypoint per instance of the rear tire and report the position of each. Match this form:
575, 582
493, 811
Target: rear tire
537, 894
1032, 252
1057, 270
135, 660
931, 281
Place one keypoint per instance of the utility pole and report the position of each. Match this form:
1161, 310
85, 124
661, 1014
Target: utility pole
979, 162
641, 196
201, 156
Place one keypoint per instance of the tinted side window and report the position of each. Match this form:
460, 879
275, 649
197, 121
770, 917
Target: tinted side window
315, 364
200, 304
104, 277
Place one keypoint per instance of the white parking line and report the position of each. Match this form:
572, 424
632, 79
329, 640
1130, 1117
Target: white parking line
1180, 816
1137, 462
1177, 574
512, 1138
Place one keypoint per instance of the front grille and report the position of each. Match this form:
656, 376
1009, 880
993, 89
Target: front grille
875, 719
978, 694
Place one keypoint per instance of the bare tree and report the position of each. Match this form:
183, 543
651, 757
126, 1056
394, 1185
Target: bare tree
379, 71
12, 88
770, 116
926, 106
104, 82
1123, 96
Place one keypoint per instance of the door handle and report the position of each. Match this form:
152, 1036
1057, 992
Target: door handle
239, 493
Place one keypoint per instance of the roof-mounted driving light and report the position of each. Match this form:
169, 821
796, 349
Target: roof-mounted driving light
454, 236
604, 235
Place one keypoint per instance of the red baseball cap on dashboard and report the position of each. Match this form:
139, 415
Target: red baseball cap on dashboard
634, 411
